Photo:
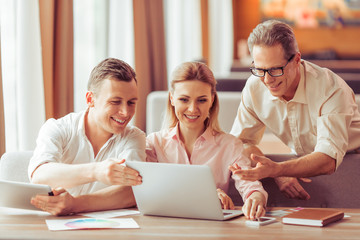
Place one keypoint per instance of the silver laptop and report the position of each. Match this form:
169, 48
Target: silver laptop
19, 194
178, 190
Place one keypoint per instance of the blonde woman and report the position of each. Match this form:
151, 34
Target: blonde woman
192, 135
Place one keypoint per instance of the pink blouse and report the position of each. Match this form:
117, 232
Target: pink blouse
217, 150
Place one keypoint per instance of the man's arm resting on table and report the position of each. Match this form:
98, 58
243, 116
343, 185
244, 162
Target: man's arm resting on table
113, 197
62, 203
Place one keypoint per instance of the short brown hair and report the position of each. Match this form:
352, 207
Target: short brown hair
110, 68
273, 32
190, 71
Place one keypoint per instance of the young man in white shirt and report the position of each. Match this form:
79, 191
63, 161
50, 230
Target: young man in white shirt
311, 109
81, 155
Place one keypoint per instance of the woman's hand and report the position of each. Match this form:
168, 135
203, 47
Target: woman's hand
226, 201
254, 206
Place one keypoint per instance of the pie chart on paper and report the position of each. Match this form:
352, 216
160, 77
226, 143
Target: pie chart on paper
91, 223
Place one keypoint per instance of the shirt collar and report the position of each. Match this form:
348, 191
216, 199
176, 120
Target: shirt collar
208, 135
300, 91
81, 126
174, 132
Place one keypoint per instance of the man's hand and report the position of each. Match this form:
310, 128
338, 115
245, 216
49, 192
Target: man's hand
226, 201
112, 172
265, 167
62, 203
291, 187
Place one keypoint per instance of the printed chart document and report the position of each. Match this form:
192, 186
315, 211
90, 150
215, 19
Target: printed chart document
313, 217
90, 223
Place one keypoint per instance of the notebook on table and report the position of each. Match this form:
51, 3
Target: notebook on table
178, 190
18, 194
313, 217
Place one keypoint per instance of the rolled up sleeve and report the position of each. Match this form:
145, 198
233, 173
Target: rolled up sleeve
332, 138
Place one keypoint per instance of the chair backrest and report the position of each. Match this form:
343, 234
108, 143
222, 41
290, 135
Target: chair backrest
338, 190
14, 166
156, 108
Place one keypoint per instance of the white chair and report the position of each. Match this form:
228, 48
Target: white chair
14, 166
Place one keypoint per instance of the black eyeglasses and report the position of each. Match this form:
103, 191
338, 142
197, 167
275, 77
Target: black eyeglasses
274, 72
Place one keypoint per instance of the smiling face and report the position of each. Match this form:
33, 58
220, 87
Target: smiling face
266, 57
192, 101
112, 107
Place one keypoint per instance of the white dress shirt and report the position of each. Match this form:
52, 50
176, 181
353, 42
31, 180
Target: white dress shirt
322, 117
64, 141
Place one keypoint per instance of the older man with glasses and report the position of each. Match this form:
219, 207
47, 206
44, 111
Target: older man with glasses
309, 108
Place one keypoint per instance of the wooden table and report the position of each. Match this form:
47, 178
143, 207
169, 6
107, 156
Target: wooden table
31, 225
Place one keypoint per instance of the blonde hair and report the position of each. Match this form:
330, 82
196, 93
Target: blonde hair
191, 71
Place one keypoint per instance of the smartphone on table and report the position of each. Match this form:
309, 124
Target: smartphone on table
260, 221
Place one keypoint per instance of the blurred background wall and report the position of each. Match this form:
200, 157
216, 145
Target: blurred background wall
49, 47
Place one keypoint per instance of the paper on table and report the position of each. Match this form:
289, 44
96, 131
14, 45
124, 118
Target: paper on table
90, 223
110, 213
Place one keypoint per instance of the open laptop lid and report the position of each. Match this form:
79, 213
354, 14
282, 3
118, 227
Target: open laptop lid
178, 190
18, 194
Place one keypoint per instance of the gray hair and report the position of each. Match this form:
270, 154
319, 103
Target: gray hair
271, 33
